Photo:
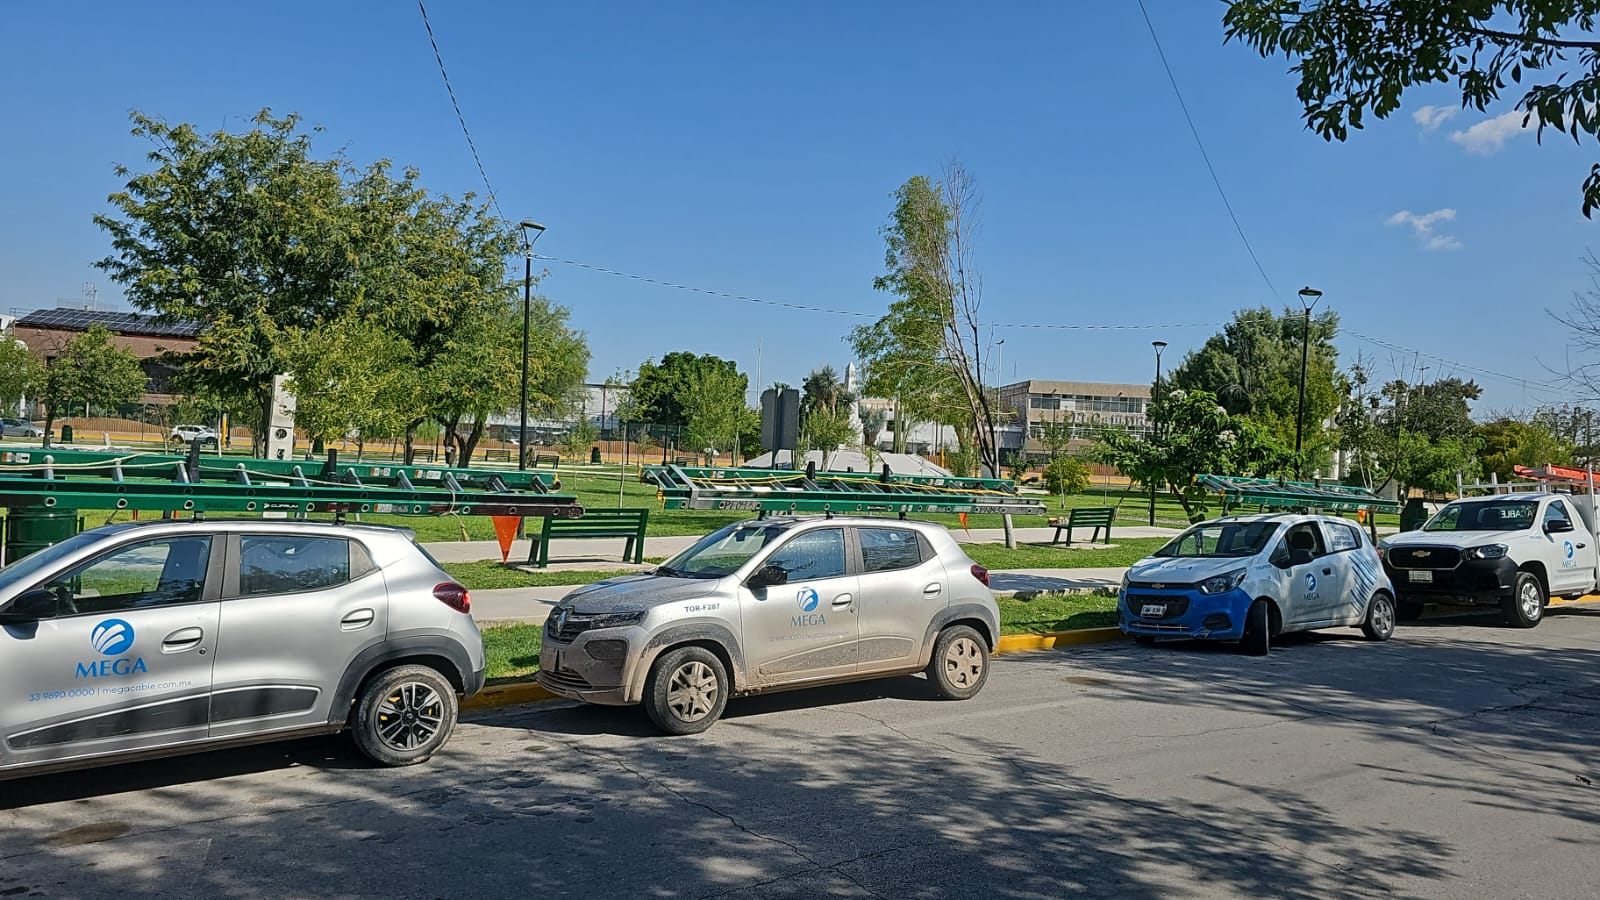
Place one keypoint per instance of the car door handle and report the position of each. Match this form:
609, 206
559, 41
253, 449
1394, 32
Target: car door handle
357, 619
1327, 571
1581, 546
181, 640
843, 601
932, 590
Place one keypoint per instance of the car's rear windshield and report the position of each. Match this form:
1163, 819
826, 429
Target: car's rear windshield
1484, 515
1221, 540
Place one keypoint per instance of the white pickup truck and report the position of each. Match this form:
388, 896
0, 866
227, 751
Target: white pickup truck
1512, 551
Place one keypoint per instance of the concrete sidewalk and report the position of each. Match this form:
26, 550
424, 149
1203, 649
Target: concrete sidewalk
531, 605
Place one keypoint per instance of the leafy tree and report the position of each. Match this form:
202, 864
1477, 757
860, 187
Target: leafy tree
823, 388
92, 371
351, 376
1253, 367
1356, 56
661, 389
1506, 443
1410, 435
926, 354
1056, 438
579, 438
715, 409
1194, 435
827, 430
20, 372
1064, 475
873, 419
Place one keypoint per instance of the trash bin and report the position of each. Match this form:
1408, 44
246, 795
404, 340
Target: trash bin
30, 529
66, 434
594, 455
1413, 514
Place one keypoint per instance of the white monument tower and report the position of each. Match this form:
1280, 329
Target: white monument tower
852, 390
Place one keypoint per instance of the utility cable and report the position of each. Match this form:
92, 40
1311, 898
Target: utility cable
482, 172
1203, 154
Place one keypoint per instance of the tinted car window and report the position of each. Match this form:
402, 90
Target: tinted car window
1556, 512
813, 554
284, 564
151, 573
887, 549
1344, 537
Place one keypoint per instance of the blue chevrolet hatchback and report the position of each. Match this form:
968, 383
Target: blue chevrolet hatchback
1251, 578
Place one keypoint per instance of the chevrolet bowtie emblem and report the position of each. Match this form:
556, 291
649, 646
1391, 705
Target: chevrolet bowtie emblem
1421, 553
1158, 586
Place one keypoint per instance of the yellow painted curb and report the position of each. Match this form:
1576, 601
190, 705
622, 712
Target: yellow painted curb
512, 694
1016, 643
1587, 598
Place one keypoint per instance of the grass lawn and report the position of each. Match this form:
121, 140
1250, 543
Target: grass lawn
1034, 556
488, 576
513, 650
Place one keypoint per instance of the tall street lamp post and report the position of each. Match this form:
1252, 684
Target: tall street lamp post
1155, 394
527, 301
1308, 299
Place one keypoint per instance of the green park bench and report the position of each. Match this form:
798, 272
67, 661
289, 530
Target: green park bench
596, 523
543, 459
1097, 517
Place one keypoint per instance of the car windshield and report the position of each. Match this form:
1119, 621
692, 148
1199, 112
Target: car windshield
723, 552
1221, 539
24, 571
1489, 515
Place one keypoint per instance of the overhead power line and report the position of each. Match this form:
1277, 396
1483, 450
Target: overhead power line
1524, 383
439, 57
1203, 154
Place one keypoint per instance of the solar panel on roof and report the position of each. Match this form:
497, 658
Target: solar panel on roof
67, 319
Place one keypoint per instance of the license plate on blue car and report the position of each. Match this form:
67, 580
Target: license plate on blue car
1153, 609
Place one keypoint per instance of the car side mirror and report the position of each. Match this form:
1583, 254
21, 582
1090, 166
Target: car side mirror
1301, 558
1557, 526
768, 576
31, 607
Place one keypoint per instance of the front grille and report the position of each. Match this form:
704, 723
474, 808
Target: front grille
570, 680
1160, 626
1424, 557
1160, 585
1172, 607
566, 628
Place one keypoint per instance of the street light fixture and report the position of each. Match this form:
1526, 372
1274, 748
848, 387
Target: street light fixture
1155, 394
1308, 300
527, 301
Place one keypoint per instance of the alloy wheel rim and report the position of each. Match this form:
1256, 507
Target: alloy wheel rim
692, 691
1532, 604
963, 662
410, 716
1383, 617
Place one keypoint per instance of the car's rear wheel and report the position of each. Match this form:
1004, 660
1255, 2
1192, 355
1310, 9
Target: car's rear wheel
1379, 625
1525, 607
960, 663
404, 715
687, 690
1257, 639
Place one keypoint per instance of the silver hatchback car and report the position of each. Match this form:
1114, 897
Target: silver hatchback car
144, 640
772, 604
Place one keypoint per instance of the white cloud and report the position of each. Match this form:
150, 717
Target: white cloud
1490, 135
1431, 117
1422, 228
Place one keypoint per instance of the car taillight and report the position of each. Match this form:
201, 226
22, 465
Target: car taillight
453, 595
980, 573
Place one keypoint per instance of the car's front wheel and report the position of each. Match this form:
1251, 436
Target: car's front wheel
1257, 639
960, 663
1379, 625
1525, 607
404, 715
687, 690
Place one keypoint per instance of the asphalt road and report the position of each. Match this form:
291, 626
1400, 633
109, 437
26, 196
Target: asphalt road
1456, 761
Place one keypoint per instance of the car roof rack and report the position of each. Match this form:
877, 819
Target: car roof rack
165, 483
1293, 496
832, 493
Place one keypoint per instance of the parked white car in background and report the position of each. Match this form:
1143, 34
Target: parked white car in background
20, 428
188, 434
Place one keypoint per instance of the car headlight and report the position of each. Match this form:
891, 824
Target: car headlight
619, 619
1219, 584
1487, 551
1383, 550
1125, 579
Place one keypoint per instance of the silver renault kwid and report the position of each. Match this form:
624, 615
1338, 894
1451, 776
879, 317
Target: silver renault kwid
144, 640
771, 604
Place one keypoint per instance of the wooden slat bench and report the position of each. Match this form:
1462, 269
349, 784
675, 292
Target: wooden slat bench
596, 523
545, 459
1097, 517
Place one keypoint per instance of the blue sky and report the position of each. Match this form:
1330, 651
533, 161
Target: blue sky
752, 149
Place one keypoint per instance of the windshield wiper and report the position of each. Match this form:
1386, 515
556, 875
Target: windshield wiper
670, 572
